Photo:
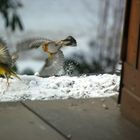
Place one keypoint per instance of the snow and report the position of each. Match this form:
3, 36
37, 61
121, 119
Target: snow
63, 87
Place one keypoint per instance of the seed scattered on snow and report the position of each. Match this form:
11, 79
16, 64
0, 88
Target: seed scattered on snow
64, 87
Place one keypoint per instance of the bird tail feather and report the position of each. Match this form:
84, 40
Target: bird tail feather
14, 74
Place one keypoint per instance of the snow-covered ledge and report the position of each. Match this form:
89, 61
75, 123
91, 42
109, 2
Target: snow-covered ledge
64, 87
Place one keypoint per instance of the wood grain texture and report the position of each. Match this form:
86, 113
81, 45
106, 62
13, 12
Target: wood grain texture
130, 106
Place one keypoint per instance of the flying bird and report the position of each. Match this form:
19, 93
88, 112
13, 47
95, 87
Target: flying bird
6, 62
47, 45
55, 60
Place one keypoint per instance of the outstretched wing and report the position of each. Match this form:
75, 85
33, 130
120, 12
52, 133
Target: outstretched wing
53, 66
30, 44
5, 57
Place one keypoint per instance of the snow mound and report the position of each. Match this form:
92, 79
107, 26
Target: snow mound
64, 87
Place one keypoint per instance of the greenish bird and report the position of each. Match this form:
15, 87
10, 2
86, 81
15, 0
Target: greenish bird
6, 62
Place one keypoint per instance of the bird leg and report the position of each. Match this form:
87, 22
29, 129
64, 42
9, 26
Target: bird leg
7, 81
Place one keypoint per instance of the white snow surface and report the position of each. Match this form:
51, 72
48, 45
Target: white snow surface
63, 87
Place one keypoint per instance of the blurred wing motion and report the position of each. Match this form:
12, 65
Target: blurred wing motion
54, 65
6, 62
5, 57
46, 44
32, 43
55, 62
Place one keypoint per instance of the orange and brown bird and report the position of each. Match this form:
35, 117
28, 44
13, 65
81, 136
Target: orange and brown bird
49, 46
55, 60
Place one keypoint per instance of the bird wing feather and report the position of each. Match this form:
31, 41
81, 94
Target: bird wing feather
32, 43
5, 57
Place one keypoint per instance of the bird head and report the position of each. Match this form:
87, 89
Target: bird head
69, 41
